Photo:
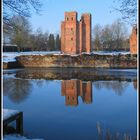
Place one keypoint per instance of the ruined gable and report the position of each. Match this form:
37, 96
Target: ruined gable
76, 35
133, 41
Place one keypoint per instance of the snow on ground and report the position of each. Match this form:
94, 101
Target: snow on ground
10, 56
17, 137
123, 70
11, 75
8, 113
110, 53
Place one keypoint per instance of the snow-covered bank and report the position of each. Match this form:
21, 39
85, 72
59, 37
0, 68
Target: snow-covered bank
7, 113
110, 53
10, 56
17, 137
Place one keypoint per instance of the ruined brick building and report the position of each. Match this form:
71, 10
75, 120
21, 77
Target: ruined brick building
76, 35
133, 41
71, 89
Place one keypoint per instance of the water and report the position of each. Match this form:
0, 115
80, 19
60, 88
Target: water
74, 104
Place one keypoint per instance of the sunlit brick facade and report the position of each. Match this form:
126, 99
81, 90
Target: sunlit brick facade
133, 41
76, 35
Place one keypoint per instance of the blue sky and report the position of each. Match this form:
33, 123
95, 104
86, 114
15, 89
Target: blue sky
53, 13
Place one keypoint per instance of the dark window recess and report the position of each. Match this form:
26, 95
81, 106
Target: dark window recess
72, 38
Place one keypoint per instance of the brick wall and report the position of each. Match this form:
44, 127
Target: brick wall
76, 35
133, 41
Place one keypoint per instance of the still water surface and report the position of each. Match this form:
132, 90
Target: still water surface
65, 105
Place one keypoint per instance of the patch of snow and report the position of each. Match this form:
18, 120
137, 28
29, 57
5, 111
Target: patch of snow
11, 70
10, 56
17, 137
8, 113
99, 53
124, 70
85, 53
7, 76
110, 53
10, 45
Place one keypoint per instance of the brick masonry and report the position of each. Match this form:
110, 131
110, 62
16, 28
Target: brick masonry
133, 41
76, 35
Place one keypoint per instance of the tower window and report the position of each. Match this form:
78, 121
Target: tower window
72, 38
67, 18
72, 18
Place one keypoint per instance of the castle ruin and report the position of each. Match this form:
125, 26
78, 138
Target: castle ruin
133, 41
76, 35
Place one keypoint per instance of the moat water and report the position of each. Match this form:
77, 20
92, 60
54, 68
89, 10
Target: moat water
64, 105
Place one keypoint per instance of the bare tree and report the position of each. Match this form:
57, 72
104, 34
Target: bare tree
97, 37
107, 38
110, 37
119, 33
21, 32
128, 9
38, 41
19, 7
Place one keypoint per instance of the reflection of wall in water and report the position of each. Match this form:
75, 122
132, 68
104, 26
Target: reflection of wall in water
71, 89
135, 84
16, 89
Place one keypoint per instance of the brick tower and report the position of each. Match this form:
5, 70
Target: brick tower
133, 41
76, 35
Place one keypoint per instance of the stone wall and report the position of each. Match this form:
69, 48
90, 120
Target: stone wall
84, 60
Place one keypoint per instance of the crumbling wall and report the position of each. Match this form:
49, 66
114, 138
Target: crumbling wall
84, 60
133, 41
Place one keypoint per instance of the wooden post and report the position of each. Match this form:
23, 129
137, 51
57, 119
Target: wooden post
19, 124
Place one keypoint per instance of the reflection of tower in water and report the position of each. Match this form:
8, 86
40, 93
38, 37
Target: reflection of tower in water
135, 84
71, 89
